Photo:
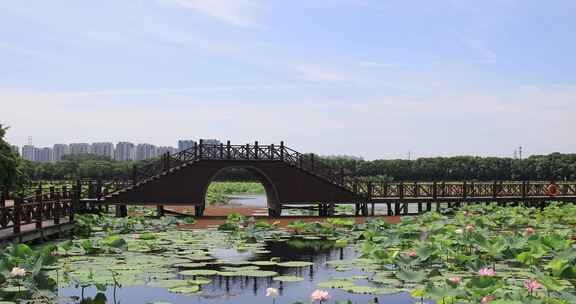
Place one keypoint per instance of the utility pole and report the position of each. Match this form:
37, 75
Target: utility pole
520, 152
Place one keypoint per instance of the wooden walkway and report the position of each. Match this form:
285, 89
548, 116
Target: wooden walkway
29, 232
36, 217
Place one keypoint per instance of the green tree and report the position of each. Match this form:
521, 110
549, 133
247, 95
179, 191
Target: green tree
9, 162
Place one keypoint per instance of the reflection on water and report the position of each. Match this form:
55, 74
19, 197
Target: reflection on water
259, 201
248, 290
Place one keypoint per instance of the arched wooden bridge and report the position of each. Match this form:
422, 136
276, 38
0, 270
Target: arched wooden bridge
289, 178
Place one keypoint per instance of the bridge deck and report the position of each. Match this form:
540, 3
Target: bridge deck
29, 232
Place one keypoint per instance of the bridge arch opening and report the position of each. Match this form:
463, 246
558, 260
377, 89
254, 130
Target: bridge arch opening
241, 184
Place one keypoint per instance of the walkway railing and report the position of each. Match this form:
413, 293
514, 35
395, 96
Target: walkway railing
41, 209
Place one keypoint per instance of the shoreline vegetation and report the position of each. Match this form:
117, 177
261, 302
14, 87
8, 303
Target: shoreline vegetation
220, 193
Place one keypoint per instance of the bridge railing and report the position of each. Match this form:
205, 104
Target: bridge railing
249, 152
450, 190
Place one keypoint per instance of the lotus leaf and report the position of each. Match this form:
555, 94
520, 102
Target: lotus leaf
288, 278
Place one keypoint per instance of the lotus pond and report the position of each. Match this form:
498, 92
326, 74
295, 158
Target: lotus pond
479, 254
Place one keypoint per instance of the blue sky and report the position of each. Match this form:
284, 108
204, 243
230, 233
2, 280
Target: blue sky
375, 78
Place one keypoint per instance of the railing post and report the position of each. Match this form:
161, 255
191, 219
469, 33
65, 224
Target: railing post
494, 190
17, 214
65, 196
168, 161
38, 195
464, 189
416, 190
221, 151
228, 152
523, 189
434, 190
195, 150
271, 151
76, 195
247, 151
3, 196
282, 150
134, 175
51, 191
39, 215
201, 148
256, 149
312, 161
99, 189
341, 176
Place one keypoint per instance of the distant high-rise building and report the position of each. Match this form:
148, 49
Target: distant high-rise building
145, 151
210, 141
103, 149
15, 149
59, 150
45, 155
37, 152
124, 151
184, 144
28, 152
79, 148
162, 150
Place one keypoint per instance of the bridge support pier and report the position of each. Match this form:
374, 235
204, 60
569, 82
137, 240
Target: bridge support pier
121, 211
275, 212
199, 210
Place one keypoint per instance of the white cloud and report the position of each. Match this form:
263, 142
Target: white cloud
235, 12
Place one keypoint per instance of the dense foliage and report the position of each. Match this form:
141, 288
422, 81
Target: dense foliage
78, 166
555, 166
9, 163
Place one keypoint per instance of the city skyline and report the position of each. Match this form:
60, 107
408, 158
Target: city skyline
122, 151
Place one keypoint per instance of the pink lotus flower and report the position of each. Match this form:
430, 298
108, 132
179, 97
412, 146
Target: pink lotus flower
412, 254
487, 299
272, 292
529, 231
455, 280
320, 295
18, 272
531, 285
469, 228
486, 272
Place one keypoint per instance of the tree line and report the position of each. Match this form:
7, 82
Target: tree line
555, 166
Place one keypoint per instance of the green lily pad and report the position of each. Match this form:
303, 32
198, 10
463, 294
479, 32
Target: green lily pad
359, 289
187, 290
288, 279
200, 272
295, 264
264, 263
